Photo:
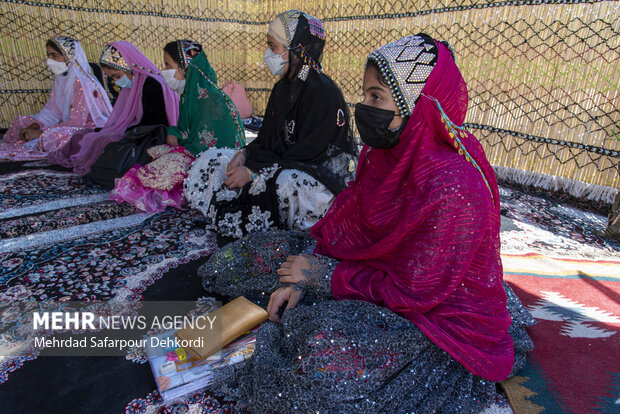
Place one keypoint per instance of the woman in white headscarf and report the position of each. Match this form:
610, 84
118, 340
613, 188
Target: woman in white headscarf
77, 101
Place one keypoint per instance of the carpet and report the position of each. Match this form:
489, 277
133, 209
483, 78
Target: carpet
569, 279
60, 239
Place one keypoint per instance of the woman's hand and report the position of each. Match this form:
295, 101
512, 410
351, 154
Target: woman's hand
31, 134
172, 140
237, 161
277, 299
237, 177
32, 127
292, 270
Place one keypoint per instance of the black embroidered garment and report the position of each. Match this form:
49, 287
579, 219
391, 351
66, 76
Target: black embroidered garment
305, 134
306, 121
339, 356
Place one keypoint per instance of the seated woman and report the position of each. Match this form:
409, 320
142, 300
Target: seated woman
405, 307
207, 118
77, 101
303, 154
145, 99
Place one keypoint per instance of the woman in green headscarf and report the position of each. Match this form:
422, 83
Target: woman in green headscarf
207, 118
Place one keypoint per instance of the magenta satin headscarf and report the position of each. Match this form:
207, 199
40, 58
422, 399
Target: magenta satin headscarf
418, 232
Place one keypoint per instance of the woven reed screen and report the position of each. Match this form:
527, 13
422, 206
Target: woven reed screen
543, 76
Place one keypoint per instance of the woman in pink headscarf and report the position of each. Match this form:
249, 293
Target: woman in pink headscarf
145, 99
405, 307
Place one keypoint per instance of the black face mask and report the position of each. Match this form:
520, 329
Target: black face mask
373, 125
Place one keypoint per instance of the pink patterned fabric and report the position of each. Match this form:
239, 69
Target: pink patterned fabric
53, 137
418, 233
158, 184
84, 149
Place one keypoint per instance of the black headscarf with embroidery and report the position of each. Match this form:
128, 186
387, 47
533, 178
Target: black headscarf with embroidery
307, 120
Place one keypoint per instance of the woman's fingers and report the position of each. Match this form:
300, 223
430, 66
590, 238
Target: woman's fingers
293, 299
276, 300
237, 177
283, 271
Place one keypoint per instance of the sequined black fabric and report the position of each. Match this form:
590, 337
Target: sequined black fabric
339, 356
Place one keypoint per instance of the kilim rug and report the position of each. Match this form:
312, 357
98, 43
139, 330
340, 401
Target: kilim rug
569, 279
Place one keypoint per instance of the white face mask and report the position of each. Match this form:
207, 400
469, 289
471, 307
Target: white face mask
177, 85
57, 68
274, 62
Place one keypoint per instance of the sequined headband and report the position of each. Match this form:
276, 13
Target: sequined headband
67, 45
289, 20
405, 65
187, 50
111, 57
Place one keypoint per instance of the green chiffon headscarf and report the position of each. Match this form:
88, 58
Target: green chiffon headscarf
207, 116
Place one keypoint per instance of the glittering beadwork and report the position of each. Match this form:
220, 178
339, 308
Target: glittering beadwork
66, 45
318, 276
316, 27
303, 72
166, 172
187, 49
247, 267
111, 57
308, 61
289, 21
340, 118
357, 356
456, 133
153, 72
291, 127
406, 65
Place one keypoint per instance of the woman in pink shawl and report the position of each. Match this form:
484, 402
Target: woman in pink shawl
401, 307
145, 99
77, 101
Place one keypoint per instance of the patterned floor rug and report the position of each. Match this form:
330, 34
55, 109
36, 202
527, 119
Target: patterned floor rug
64, 241
60, 239
569, 279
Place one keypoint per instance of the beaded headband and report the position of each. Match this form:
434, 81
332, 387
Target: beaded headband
289, 20
111, 57
316, 26
187, 50
406, 65
66, 45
